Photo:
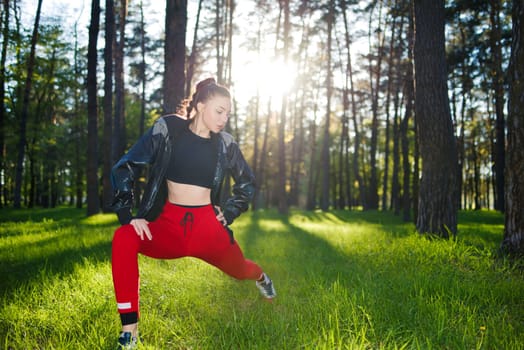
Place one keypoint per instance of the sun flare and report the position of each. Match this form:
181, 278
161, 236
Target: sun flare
271, 78
275, 78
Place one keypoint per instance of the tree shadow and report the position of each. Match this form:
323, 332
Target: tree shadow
310, 270
67, 244
307, 270
40, 215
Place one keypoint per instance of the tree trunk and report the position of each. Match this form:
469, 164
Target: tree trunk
395, 180
93, 201
388, 116
193, 55
311, 192
119, 127
229, 61
326, 141
261, 175
372, 200
218, 45
313, 173
257, 126
513, 241
404, 126
437, 199
356, 141
143, 52
107, 191
175, 54
25, 111
139, 184
498, 87
282, 193
77, 132
5, 42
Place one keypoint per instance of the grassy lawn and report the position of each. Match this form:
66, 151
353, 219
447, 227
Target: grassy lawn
346, 280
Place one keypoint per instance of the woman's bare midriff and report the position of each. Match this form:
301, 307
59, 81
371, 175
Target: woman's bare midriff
184, 194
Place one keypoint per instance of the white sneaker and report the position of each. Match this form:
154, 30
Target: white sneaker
266, 287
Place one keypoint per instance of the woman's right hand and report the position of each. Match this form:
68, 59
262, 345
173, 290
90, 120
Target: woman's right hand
141, 228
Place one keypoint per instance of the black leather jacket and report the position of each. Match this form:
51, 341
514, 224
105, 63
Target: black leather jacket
153, 149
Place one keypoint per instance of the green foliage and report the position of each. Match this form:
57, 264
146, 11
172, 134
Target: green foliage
346, 280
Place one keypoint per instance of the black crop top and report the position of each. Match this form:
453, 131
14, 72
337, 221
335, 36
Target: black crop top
193, 160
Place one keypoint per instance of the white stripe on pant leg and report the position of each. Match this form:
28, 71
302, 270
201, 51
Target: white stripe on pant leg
124, 306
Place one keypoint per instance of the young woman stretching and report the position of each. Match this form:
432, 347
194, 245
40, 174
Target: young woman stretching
180, 214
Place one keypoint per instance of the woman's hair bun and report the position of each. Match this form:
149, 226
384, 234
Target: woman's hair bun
202, 84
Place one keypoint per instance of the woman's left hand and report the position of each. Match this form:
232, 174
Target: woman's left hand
220, 215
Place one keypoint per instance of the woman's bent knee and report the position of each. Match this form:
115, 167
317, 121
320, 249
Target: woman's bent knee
125, 237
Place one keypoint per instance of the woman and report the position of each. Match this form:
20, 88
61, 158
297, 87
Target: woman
180, 214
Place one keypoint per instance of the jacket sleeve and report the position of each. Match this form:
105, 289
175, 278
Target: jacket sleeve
125, 171
244, 187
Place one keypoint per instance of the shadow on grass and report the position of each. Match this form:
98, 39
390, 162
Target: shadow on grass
39, 214
307, 271
382, 293
27, 271
34, 259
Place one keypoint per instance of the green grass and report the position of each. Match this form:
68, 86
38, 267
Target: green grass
346, 280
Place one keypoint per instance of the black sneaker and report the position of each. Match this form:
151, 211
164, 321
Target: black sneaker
127, 342
266, 287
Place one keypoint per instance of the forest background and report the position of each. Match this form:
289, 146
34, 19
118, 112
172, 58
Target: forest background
325, 105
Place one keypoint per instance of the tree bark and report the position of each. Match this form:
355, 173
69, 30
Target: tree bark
356, 141
372, 196
175, 54
437, 199
193, 55
326, 140
388, 117
119, 126
311, 188
107, 191
404, 125
78, 133
93, 201
395, 180
498, 89
218, 45
282, 177
5, 42
513, 241
25, 111
261, 175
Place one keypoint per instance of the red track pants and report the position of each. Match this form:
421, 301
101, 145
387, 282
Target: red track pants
178, 232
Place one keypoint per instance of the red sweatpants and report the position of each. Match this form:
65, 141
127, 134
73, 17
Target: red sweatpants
178, 232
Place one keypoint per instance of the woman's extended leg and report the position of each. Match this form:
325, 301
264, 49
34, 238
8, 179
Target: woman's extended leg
211, 242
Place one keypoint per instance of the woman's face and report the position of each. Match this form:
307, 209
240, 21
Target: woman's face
215, 112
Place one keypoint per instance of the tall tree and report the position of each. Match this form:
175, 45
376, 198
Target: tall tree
5, 42
77, 129
498, 87
438, 205
175, 54
93, 200
193, 55
388, 118
119, 126
513, 241
282, 177
356, 129
375, 72
404, 125
25, 111
107, 192
324, 194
